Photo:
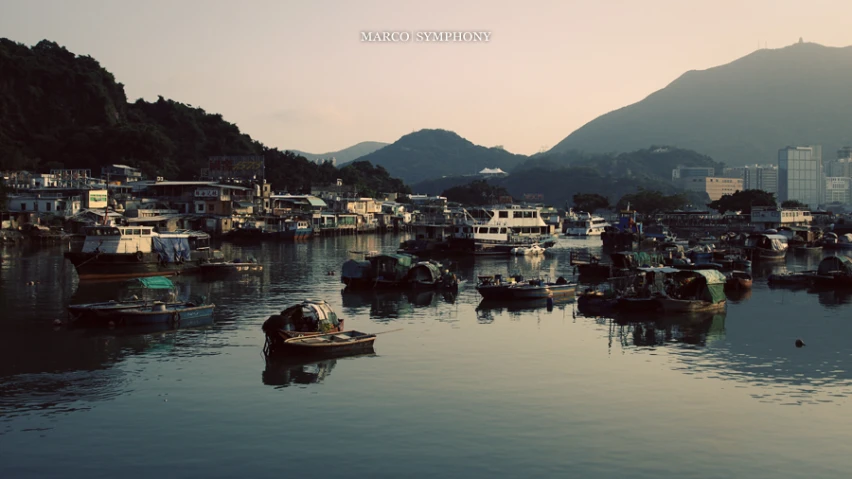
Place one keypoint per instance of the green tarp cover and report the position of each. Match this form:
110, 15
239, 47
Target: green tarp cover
835, 263
712, 276
154, 282
716, 293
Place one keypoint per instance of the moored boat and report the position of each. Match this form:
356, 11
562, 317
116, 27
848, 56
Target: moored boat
342, 343
766, 246
133, 294
111, 252
834, 272
497, 230
585, 224
518, 288
738, 281
694, 291
153, 301
310, 317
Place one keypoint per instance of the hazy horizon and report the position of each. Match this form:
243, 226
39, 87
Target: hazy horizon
298, 76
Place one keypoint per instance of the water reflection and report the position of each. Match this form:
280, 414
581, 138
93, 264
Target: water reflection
644, 330
284, 372
392, 304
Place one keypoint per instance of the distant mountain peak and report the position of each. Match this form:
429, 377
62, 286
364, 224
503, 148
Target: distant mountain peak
433, 153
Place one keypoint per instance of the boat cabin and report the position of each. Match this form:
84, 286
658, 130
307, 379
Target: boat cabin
118, 239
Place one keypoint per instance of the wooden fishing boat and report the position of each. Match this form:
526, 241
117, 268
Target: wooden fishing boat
738, 280
517, 288
326, 345
142, 301
694, 291
308, 318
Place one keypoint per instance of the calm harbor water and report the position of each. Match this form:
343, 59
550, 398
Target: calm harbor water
464, 390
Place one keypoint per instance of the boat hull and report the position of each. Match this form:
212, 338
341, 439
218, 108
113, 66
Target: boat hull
93, 266
670, 305
520, 292
344, 343
296, 234
173, 315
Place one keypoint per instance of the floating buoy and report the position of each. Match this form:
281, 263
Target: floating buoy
111, 324
799, 343
549, 303
57, 322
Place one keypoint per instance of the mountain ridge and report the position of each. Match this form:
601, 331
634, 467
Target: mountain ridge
345, 155
433, 153
739, 113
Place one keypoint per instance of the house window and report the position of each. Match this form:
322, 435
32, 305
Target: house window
47, 207
23, 207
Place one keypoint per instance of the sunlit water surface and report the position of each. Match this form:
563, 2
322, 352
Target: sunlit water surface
460, 391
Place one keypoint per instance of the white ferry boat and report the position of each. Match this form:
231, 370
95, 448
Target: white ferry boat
585, 224
496, 230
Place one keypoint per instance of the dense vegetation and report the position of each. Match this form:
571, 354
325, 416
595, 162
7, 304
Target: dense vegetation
429, 154
742, 201
58, 110
650, 202
590, 202
558, 183
476, 193
654, 163
740, 113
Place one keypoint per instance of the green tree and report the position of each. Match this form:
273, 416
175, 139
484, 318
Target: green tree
793, 204
743, 201
590, 202
649, 202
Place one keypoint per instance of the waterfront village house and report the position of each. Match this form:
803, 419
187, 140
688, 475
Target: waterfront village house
365, 210
216, 203
333, 191
713, 186
770, 217
37, 203
303, 206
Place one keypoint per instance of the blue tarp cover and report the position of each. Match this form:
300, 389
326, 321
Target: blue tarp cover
172, 248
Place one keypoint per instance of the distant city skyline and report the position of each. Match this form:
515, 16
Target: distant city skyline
297, 75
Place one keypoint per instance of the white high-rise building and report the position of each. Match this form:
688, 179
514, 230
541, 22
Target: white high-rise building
800, 175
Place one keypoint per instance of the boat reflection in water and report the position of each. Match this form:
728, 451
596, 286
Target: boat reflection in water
657, 330
488, 307
284, 372
393, 303
738, 296
294, 371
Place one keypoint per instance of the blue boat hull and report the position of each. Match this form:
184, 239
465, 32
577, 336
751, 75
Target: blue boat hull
174, 316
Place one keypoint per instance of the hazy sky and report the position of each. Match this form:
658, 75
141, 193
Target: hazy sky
295, 74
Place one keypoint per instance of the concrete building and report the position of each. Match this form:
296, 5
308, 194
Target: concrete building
841, 167
121, 174
755, 177
837, 190
768, 217
685, 173
713, 186
800, 175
